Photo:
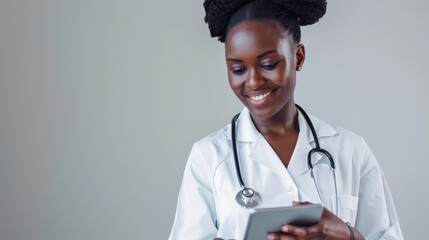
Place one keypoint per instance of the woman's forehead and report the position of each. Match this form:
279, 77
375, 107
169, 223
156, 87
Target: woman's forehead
255, 36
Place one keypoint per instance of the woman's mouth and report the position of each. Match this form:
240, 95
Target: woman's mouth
259, 98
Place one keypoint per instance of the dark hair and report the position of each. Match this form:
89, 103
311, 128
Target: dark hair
223, 15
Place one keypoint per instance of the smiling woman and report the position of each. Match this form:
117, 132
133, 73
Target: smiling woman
263, 53
265, 82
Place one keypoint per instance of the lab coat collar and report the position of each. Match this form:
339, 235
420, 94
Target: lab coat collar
247, 132
245, 129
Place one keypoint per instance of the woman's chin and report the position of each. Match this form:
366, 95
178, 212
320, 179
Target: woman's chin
261, 114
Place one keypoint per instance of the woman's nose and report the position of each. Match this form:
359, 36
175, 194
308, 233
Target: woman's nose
254, 79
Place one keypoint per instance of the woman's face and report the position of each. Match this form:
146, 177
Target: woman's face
262, 60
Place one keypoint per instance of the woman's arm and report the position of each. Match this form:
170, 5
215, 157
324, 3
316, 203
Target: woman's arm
195, 215
376, 216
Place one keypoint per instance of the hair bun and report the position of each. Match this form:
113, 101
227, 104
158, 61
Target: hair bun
218, 13
307, 11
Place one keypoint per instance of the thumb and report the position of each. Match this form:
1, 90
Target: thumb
296, 203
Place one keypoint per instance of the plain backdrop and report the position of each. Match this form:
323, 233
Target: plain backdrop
100, 102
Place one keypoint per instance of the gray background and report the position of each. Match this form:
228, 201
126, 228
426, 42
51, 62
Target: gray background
100, 102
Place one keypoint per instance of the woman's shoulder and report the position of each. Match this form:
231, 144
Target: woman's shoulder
216, 141
220, 141
214, 148
339, 133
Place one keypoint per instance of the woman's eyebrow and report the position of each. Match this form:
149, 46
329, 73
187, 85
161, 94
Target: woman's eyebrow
265, 53
234, 60
258, 57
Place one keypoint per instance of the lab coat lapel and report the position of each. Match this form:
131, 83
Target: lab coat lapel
298, 163
263, 153
260, 151
245, 129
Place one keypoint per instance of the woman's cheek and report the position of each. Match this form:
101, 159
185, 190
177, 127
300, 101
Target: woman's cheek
236, 83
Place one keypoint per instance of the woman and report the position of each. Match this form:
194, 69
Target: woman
263, 53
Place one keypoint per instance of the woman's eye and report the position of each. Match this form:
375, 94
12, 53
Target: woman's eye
270, 66
238, 71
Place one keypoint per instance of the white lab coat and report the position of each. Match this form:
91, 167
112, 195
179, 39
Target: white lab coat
206, 206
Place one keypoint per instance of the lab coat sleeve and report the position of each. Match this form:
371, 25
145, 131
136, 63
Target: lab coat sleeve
195, 215
376, 217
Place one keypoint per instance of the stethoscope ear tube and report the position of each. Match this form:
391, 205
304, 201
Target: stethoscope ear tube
331, 161
316, 141
234, 150
322, 151
310, 124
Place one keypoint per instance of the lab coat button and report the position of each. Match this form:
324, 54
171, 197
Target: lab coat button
289, 188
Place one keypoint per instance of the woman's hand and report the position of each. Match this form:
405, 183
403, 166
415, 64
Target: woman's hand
329, 227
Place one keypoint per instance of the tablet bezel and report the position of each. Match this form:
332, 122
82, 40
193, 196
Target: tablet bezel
262, 221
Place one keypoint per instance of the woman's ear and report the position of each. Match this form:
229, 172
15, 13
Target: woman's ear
299, 57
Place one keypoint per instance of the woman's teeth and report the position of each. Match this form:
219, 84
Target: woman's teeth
259, 97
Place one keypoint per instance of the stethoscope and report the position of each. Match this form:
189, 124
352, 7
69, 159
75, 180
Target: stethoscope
249, 198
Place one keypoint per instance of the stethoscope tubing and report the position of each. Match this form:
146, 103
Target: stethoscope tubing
234, 148
316, 141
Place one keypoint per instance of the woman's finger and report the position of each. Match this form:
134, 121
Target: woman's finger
295, 203
315, 231
279, 236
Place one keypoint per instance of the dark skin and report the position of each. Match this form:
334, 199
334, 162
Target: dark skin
275, 116
262, 59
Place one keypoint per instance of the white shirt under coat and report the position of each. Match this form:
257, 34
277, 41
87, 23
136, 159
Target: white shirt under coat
206, 206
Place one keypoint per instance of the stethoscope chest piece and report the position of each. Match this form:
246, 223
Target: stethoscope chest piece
248, 198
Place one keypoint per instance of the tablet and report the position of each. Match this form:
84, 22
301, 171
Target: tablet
265, 220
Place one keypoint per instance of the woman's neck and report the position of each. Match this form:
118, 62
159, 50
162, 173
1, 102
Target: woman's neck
282, 123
